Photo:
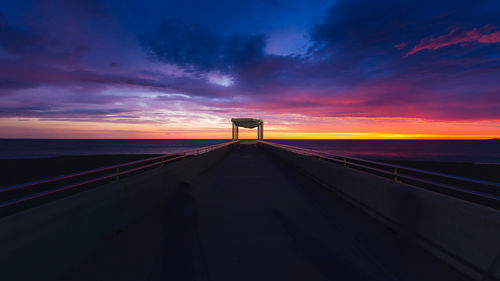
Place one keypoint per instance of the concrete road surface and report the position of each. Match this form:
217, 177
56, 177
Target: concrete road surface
253, 218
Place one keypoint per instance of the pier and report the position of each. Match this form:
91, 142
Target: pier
251, 211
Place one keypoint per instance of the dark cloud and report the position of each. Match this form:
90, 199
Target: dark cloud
184, 44
90, 7
365, 39
388, 58
87, 87
25, 75
372, 25
16, 84
273, 3
36, 44
198, 48
50, 111
240, 50
15, 39
365, 45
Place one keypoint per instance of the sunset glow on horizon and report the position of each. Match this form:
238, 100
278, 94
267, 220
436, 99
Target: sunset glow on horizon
91, 130
323, 70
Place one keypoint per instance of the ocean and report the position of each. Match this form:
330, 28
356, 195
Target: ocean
476, 151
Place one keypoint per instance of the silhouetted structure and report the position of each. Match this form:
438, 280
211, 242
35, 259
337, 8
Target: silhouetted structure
248, 123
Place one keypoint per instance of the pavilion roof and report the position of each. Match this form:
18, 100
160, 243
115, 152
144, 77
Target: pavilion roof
247, 122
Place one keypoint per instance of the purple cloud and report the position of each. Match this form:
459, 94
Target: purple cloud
101, 60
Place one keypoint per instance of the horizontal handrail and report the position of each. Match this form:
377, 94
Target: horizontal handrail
171, 157
317, 153
396, 171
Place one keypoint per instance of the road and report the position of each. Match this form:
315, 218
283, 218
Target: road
253, 218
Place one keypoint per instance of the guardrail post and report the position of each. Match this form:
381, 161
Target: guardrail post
395, 174
117, 177
163, 162
345, 162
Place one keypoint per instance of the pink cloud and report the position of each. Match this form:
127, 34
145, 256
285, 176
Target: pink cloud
401, 45
480, 35
490, 38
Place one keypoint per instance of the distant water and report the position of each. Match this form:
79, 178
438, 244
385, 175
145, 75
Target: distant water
43, 148
478, 151
482, 151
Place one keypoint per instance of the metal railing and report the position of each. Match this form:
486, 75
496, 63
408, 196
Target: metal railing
474, 190
114, 171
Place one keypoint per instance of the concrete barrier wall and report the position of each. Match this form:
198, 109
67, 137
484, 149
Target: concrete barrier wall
465, 235
45, 242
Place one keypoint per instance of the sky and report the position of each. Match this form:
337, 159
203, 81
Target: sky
353, 69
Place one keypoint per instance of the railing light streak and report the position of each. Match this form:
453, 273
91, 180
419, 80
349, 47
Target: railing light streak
490, 195
118, 171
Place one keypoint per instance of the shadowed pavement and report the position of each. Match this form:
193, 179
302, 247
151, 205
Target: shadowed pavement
253, 218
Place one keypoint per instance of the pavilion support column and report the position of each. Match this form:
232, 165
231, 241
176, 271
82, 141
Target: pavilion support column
233, 137
237, 132
260, 132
